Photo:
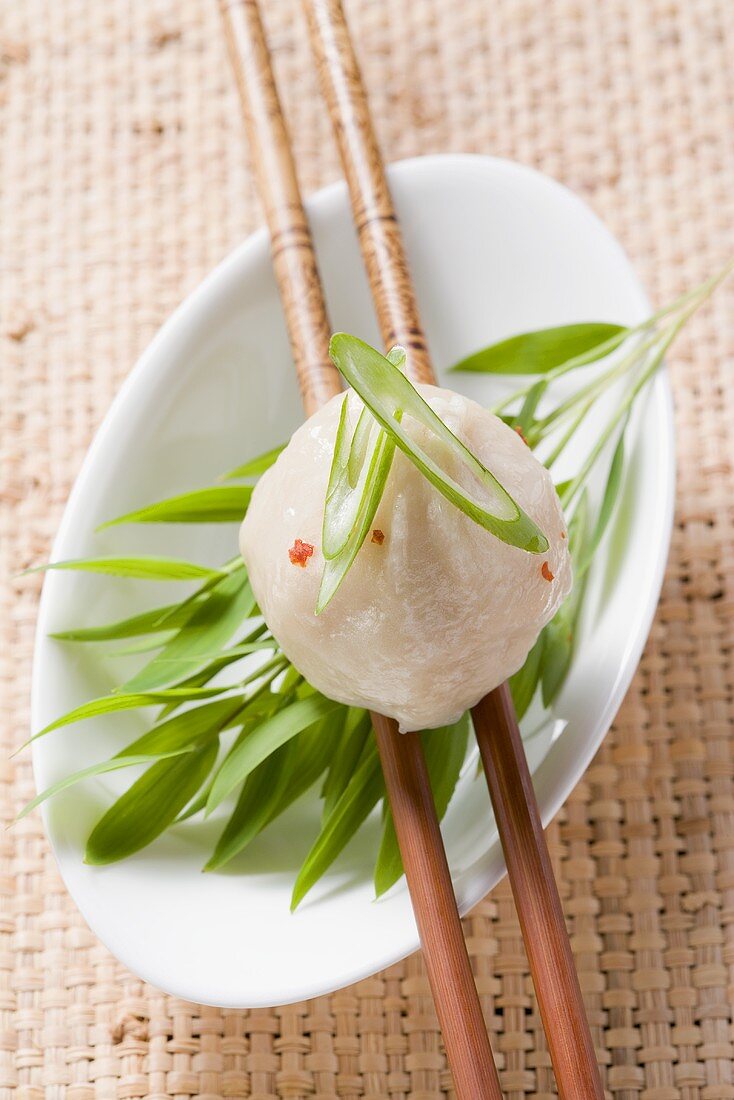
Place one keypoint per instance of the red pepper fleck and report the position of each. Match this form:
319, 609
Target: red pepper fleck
300, 552
547, 575
378, 536
520, 433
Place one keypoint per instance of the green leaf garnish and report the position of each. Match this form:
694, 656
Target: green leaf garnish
143, 568
559, 634
349, 472
542, 351
314, 748
218, 504
257, 801
252, 712
263, 740
115, 764
153, 802
143, 645
210, 626
390, 396
269, 670
525, 681
609, 501
148, 622
110, 704
362, 794
187, 727
276, 784
357, 731
255, 466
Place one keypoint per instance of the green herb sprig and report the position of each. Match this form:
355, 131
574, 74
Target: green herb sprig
235, 721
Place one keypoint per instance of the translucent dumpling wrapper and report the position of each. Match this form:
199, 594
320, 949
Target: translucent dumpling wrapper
435, 610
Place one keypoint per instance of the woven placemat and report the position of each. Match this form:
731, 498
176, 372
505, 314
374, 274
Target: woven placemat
123, 180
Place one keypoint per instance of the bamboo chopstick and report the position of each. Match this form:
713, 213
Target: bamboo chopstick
536, 897
294, 258
406, 777
506, 769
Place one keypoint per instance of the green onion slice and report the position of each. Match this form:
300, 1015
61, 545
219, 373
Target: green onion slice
350, 469
336, 569
389, 395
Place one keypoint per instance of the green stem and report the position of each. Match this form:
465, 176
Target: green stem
698, 295
622, 409
596, 353
565, 439
593, 389
275, 665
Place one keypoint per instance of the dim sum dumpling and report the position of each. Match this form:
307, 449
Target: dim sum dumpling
435, 611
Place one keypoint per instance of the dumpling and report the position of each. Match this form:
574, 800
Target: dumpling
435, 611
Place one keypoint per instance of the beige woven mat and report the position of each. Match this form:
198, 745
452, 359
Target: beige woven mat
123, 180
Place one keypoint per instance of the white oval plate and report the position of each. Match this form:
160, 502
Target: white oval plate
496, 249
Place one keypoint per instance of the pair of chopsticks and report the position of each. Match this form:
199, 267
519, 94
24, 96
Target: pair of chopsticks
406, 778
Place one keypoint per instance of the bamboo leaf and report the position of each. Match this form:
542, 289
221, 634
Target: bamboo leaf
525, 681
345, 759
244, 649
558, 636
275, 784
314, 748
254, 807
218, 504
388, 394
265, 739
115, 764
109, 704
526, 417
186, 728
250, 715
210, 625
149, 806
557, 654
578, 530
143, 568
184, 609
606, 510
256, 466
144, 645
148, 622
445, 751
541, 351
212, 668
232, 653
361, 795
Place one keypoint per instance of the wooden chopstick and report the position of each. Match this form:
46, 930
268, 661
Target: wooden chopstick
536, 897
508, 776
406, 777
293, 254
434, 904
